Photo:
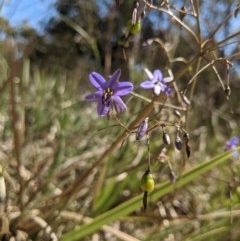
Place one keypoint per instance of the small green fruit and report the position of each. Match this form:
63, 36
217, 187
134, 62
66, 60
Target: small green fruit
134, 28
147, 182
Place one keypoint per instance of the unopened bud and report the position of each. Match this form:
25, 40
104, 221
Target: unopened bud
166, 139
142, 129
186, 137
186, 100
178, 143
188, 150
227, 91
177, 114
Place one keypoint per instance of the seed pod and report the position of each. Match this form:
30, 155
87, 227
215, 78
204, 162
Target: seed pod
186, 137
145, 196
183, 12
147, 182
178, 143
186, 100
177, 114
166, 139
142, 129
227, 90
188, 150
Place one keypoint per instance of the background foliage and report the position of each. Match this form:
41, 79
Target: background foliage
66, 172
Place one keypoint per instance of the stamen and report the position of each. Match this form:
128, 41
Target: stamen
106, 97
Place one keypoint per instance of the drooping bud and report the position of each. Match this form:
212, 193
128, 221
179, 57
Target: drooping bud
187, 147
145, 196
183, 12
142, 129
177, 114
227, 90
186, 100
166, 139
188, 150
186, 137
178, 143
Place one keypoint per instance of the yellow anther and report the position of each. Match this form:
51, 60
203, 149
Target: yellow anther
107, 96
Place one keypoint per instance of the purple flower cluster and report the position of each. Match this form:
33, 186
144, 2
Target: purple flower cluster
108, 92
232, 144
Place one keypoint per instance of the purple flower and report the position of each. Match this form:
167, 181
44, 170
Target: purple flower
156, 82
108, 92
232, 144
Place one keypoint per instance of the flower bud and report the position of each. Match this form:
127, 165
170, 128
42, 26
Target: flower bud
178, 143
186, 137
177, 114
188, 150
166, 139
227, 90
142, 129
186, 100
183, 12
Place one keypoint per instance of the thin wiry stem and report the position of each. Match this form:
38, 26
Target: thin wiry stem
215, 46
175, 18
79, 182
231, 14
164, 105
210, 64
198, 22
149, 154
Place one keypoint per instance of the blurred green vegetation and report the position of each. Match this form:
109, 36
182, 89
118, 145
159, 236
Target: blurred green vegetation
71, 175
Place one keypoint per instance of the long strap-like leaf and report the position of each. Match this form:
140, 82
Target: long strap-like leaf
136, 202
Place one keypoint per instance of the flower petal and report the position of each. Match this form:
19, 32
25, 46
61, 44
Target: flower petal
234, 140
114, 78
147, 84
102, 109
167, 79
168, 91
157, 89
157, 76
122, 88
235, 154
119, 104
149, 74
94, 96
97, 80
